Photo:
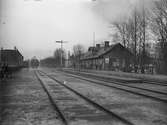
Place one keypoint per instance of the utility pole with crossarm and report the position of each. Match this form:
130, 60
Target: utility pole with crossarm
61, 42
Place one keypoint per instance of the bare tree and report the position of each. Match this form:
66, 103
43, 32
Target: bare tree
128, 33
123, 31
132, 33
57, 57
158, 25
78, 50
120, 26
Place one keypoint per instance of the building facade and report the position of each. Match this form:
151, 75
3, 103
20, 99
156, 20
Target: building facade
11, 57
108, 57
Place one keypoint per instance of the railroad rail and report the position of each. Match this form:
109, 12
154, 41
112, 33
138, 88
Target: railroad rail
131, 86
62, 116
155, 82
142, 80
152, 94
88, 100
120, 83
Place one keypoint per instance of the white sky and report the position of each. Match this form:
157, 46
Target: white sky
34, 25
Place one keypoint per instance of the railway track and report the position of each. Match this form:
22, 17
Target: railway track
154, 82
152, 94
131, 86
65, 103
160, 83
60, 113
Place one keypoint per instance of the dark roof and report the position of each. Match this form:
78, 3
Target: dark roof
97, 53
10, 51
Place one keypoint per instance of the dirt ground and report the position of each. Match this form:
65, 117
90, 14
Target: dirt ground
23, 101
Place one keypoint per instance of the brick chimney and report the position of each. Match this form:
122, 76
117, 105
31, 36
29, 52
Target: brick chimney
15, 47
91, 49
106, 44
97, 46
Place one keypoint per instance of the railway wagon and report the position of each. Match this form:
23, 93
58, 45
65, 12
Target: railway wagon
13, 58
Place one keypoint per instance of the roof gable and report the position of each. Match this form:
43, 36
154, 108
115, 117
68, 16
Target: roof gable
100, 52
10, 51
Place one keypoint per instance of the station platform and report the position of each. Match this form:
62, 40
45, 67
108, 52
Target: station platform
122, 76
104, 75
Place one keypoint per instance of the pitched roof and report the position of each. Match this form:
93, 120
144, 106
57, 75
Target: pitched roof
97, 53
9, 51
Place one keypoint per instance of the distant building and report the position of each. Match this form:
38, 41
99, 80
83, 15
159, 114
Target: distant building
11, 57
108, 57
49, 62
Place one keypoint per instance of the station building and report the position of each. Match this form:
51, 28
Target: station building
107, 57
12, 57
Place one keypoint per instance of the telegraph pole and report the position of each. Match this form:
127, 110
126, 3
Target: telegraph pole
93, 38
144, 37
61, 54
135, 35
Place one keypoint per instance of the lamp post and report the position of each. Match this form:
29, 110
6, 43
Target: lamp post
61, 56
